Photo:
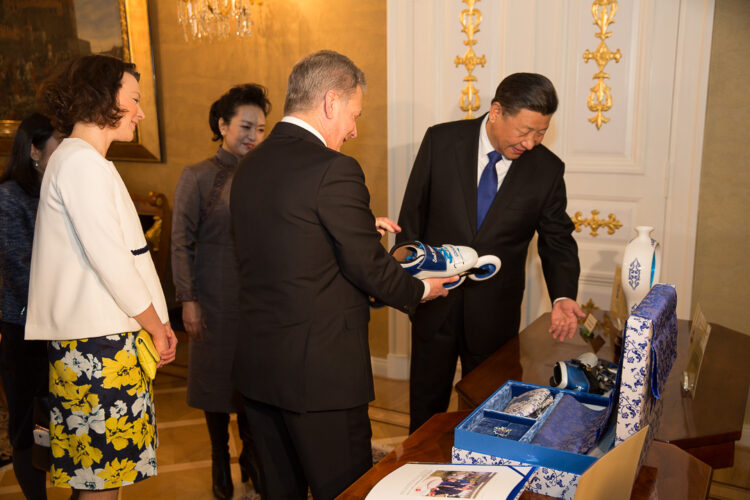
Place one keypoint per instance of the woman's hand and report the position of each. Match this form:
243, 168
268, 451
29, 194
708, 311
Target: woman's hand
164, 338
192, 318
166, 344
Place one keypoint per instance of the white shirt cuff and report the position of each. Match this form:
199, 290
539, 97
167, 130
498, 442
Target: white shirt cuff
426, 289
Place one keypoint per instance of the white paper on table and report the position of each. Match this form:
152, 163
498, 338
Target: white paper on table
416, 480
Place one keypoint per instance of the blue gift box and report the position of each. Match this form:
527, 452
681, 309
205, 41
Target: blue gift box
476, 432
648, 353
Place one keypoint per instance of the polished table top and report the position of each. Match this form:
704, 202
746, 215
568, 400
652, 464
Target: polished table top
668, 472
707, 426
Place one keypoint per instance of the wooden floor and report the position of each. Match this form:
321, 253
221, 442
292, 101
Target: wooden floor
184, 453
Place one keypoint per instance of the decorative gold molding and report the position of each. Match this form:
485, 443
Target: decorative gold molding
594, 222
600, 99
588, 308
470, 19
124, 31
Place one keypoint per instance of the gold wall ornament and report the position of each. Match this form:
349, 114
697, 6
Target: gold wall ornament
153, 234
594, 222
588, 308
600, 99
470, 19
215, 19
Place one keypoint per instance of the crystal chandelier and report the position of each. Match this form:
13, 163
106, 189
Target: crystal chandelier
215, 19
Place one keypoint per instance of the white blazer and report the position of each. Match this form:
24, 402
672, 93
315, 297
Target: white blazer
91, 271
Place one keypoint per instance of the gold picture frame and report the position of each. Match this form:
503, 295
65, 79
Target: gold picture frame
136, 48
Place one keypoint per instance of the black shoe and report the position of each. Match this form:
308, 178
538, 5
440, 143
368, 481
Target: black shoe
222, 477
5, 459
249, 467
245, 465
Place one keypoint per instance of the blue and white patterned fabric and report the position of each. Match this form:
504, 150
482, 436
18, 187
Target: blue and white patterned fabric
571, 426
660, 306
649, 350
551, 482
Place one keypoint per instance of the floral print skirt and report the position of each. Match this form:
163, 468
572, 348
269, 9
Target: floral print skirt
102, 420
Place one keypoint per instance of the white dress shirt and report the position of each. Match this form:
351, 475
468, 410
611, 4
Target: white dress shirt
302, 123
503, 164
501, 167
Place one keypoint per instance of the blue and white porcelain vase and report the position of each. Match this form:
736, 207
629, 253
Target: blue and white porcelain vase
641, 266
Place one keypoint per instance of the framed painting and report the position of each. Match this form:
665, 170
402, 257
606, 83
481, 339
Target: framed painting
37, 37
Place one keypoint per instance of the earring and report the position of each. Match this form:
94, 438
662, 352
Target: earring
36, 164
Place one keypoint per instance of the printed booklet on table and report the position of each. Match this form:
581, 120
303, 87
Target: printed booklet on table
452, 481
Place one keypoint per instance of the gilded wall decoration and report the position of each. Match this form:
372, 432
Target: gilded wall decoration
595, 223
600, 98
470, 18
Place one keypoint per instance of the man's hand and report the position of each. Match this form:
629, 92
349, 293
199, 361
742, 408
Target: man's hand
166, 344
192, 318
565, 314
436, 287
383, 224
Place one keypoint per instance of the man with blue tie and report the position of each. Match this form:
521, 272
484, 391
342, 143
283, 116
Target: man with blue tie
488, 183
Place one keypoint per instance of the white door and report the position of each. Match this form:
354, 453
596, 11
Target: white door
643, 166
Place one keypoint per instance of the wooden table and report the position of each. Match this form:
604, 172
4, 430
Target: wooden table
706, 426
668, 472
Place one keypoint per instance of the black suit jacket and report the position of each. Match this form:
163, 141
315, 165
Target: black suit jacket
309, 256
440, 206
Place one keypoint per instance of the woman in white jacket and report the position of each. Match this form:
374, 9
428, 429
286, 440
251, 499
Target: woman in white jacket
93, 286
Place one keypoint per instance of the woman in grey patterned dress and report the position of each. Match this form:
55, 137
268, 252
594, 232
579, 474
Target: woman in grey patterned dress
204, 269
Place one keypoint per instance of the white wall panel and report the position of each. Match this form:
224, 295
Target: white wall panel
614, 137
643, 166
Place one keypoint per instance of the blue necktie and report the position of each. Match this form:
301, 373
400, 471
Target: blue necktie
487, 188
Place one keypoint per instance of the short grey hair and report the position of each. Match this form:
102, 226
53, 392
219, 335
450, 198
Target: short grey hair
318, 73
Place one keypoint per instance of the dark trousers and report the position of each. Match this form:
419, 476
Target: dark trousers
24, 369
325, 450
218, 432
433, 366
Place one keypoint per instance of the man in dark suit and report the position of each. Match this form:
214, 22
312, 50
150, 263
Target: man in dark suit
489, 184
309, 256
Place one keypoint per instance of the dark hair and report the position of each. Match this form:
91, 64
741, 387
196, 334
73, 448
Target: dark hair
316, 74
241, 95
85, 90
35, 129
530, 91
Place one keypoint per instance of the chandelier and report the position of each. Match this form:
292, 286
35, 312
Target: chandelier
215, 19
